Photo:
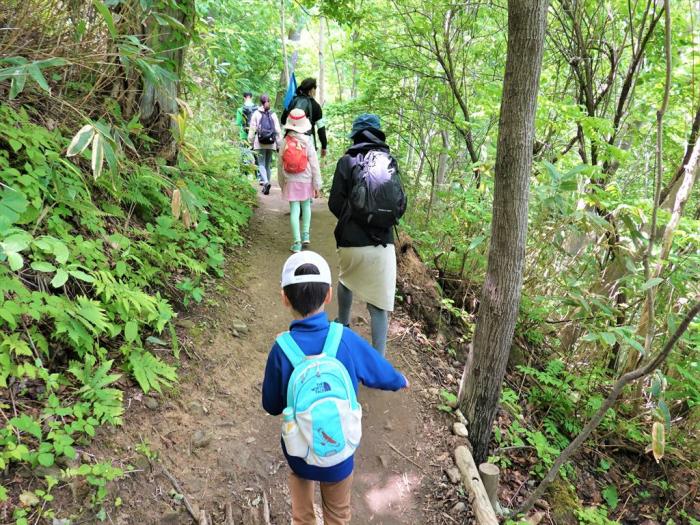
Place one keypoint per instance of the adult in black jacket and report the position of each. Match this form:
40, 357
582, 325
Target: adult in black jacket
305, 100
366, 256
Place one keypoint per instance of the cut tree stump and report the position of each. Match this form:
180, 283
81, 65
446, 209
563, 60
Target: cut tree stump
489, 476
479, 499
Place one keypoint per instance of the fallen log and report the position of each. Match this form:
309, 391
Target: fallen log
471, 480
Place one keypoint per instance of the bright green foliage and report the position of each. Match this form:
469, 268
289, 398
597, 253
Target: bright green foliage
78, 263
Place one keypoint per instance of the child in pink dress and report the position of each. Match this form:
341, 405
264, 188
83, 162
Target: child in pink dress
299, 176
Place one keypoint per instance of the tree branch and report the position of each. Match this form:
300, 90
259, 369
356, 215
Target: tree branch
607, 404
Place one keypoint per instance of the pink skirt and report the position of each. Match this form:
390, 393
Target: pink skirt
298, 191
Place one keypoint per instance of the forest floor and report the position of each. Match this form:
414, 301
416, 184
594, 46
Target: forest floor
211, 434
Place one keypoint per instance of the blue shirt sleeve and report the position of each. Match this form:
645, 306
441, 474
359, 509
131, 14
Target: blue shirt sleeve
371, 368
272, 387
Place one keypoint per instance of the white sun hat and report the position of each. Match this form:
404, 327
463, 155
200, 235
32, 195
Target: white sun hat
306, 257
297, 121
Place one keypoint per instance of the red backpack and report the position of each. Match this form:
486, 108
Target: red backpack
295, 158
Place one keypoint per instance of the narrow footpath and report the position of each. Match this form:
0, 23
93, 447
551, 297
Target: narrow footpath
212, 436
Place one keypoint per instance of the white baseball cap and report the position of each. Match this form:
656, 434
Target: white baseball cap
305, 257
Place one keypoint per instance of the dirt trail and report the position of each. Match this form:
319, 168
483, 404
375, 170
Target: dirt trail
212, 433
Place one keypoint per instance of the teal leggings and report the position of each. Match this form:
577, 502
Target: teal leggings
305, 219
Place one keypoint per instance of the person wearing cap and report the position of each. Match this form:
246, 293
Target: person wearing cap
366, 255
305, 101
243, 116
298, 187
306, 290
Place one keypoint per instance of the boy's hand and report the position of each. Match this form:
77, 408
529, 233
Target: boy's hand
407, 382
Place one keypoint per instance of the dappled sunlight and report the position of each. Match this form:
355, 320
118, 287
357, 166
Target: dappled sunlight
392, 495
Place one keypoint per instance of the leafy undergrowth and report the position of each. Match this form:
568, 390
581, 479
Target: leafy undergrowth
90, 271
615, 477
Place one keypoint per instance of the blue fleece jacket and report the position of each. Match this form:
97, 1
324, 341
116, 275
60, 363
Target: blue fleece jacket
364, 365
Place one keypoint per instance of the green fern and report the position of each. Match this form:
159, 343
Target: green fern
150, 371
106, 402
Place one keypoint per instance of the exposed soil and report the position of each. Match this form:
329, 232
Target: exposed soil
212, 435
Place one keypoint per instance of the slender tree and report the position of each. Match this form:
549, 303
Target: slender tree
500, 296
321, 64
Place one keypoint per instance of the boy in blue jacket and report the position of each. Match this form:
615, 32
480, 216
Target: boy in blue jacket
306, 289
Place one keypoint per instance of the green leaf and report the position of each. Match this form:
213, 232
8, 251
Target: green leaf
131, 331
608, 338
78, 274
35, 73
476, 242
46, 459
652, 282
60, 251
15, 260
16, 242
665, 412
98, 154
610, 496
27, 424
80, 140
43, 266
107, 17
17, 85
150, 371
60, 278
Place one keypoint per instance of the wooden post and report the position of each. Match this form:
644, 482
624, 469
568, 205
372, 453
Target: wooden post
480, 502
489, 476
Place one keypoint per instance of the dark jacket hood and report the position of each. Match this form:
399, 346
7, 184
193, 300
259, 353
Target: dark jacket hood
366, 140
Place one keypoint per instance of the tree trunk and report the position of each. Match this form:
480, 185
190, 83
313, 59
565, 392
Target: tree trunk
500, 296
353, 89
321, 66
283, 35
159, 99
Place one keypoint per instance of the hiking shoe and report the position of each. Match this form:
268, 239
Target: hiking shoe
266, 188
305, 239
296, 247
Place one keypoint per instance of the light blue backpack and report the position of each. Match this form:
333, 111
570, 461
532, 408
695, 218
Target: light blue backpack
322, 397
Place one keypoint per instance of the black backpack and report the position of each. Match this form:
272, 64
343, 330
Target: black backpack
247, 114
377, 198
266, 129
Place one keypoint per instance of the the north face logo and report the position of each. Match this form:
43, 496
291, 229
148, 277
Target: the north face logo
322, 387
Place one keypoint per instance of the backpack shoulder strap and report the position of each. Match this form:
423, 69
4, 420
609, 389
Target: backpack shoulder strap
291, 349
335, 334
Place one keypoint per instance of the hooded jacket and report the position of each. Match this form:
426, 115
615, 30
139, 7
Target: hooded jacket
349, 233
